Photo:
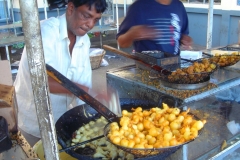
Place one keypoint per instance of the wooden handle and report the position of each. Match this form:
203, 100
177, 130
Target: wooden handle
154, 66
112, 49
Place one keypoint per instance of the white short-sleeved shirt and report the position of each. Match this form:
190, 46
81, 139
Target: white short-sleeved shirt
56, 51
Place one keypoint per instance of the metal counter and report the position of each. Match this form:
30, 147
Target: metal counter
132, 82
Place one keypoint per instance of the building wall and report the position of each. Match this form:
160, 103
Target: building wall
225, 26
225, 21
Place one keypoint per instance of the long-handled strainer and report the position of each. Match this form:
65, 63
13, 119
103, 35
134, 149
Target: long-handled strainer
140, 152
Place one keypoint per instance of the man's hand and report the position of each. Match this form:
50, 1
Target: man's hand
186, 41
57, 88
109, 99
140, 32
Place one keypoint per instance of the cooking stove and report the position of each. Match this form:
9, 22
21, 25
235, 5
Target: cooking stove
134, 82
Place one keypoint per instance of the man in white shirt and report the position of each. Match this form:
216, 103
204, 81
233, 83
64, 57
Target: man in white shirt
66, 48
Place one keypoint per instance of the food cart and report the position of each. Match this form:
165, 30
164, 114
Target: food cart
216, 140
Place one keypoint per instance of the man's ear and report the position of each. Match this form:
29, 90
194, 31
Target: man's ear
70, 8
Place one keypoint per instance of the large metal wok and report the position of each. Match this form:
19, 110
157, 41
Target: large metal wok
73, 119
102, 110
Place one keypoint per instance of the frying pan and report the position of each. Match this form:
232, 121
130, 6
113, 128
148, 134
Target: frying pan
78, 116
102, 110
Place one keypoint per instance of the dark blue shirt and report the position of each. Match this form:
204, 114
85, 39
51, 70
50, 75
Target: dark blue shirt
170, 20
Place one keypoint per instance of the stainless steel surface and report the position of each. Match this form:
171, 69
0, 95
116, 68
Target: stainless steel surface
223, 78
184, 86
132, 82
226, 151
217, 115
220, 80
39, 79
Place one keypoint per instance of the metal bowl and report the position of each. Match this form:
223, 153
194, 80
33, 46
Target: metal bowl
224, 60
200, 78
140, 152
73, 119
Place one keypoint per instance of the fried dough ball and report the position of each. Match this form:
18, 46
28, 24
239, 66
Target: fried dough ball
224, 60
158, 127
193, 73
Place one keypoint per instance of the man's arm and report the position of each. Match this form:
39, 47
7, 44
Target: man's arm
57, 88
136, 33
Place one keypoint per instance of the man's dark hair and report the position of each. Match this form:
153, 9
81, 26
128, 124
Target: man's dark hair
100, 5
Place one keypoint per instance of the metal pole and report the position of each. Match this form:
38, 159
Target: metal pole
210, 24
5, 11
185, 147
57, 11
238, 32
117, 15
125, 8
39, 80
11, 3
113, 11
45, 9
117, 20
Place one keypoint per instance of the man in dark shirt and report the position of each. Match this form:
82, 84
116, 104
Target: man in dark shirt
155, 25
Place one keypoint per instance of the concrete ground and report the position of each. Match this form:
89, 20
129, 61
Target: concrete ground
115, 61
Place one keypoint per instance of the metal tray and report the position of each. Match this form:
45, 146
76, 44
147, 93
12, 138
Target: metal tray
227, 50
185, 86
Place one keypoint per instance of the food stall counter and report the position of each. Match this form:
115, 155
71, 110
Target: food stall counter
216, 141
